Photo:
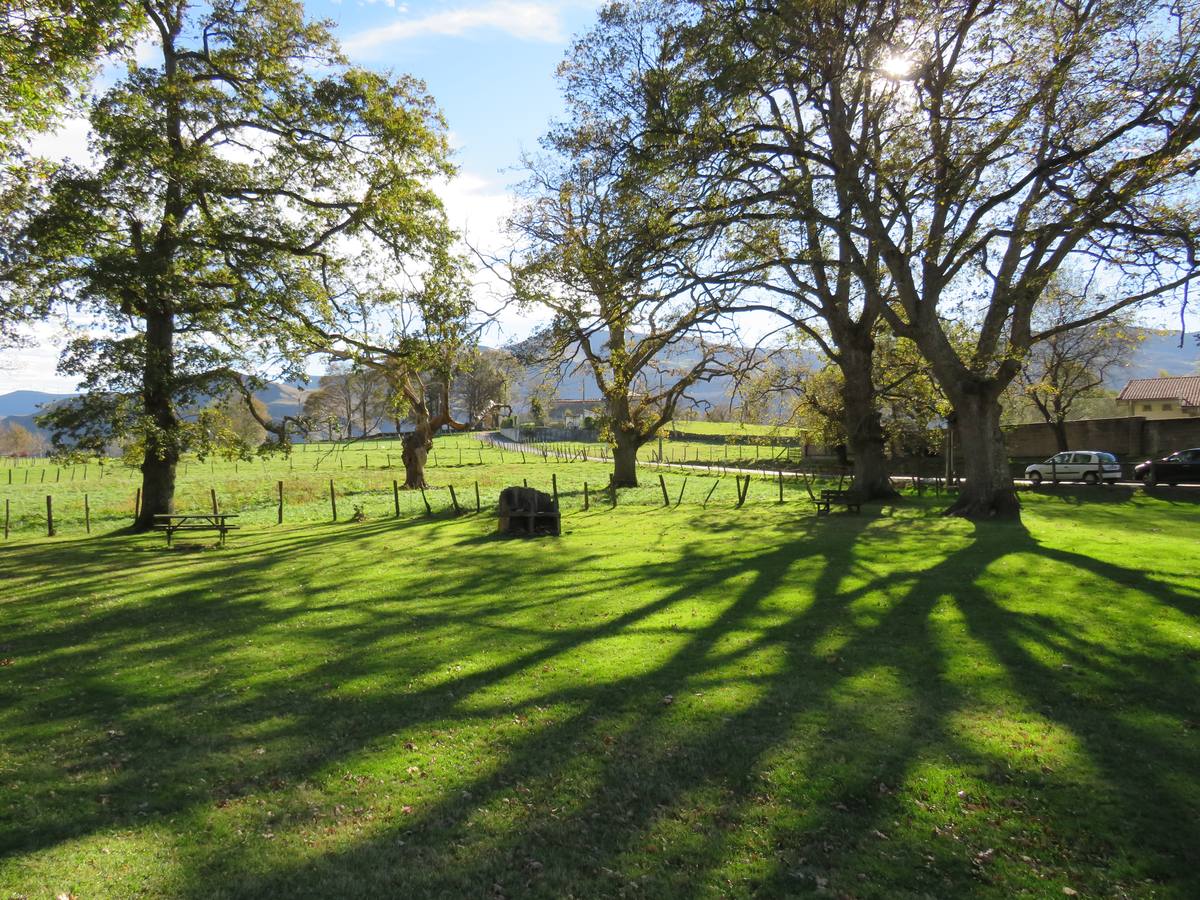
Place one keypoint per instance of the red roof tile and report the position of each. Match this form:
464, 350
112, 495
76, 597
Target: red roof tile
1184, 388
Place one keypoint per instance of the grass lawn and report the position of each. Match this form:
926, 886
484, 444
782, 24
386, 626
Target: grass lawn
680, 702
735, 429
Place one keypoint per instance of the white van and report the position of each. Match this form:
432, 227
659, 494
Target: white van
1092, 466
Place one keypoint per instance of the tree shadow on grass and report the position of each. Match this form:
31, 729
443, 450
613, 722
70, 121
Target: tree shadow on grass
808, 711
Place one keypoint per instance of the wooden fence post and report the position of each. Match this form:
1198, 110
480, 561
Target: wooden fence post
780, 485
87, 515
428, 508
396, 496
663, 484
212, 492
478, 507
280, 516
49, 516
332, 500
454, 500
682, 488
710, 492
554, 487
586, 498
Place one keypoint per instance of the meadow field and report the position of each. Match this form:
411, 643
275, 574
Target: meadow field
698, 700
362, 474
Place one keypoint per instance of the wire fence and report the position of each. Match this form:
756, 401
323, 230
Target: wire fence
364, 480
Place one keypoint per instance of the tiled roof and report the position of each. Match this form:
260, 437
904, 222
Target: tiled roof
1184, 388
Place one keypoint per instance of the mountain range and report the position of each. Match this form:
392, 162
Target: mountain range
1159, 352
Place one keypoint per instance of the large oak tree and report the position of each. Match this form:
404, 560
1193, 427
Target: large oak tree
237, 176
623, 254
983, 145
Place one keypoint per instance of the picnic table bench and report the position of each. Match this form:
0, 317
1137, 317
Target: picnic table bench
171, 523
848, 499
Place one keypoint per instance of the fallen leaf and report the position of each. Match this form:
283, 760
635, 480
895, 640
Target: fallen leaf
1070, 892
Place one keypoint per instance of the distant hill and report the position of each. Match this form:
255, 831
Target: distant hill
26, 403
1158, 352
22, 407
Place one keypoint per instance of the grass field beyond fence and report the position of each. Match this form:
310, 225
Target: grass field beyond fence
694, 701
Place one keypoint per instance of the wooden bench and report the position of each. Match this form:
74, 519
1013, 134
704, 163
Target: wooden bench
194, 522
528, 511
847, 499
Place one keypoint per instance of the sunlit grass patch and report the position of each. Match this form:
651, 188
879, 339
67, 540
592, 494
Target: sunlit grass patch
662, 702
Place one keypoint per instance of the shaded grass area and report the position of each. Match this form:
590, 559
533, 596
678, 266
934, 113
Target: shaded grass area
660, 703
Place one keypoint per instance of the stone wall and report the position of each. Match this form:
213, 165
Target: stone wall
1127, 437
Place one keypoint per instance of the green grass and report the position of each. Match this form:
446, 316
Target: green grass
661, 703
362, 475
736, 429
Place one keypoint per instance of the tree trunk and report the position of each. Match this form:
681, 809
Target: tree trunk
1060, 434
416, 446
988, 491
162, 438
862, 424
625, 448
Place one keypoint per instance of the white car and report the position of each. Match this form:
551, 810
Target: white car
1092, 466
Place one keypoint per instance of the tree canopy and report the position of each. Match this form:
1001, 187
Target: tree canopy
241, 178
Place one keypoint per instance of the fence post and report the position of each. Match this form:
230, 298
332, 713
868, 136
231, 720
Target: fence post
396, 496
280, 517
710, 492
428, 508
87, 515
478, 508
663, 484
332, 500
554, 486
454, 500
682, 488
586, 498
212, 492
49, 516
780, 485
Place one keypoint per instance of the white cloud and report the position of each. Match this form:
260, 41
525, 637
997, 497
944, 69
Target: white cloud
526, 21
478, 208
68, 142
33, 368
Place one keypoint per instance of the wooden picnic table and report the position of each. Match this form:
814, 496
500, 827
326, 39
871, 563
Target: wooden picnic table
171, 523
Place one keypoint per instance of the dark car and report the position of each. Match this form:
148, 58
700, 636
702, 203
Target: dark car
1182, 465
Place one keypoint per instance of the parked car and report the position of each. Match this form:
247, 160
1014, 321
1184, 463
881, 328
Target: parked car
1092, 466
1182, 465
